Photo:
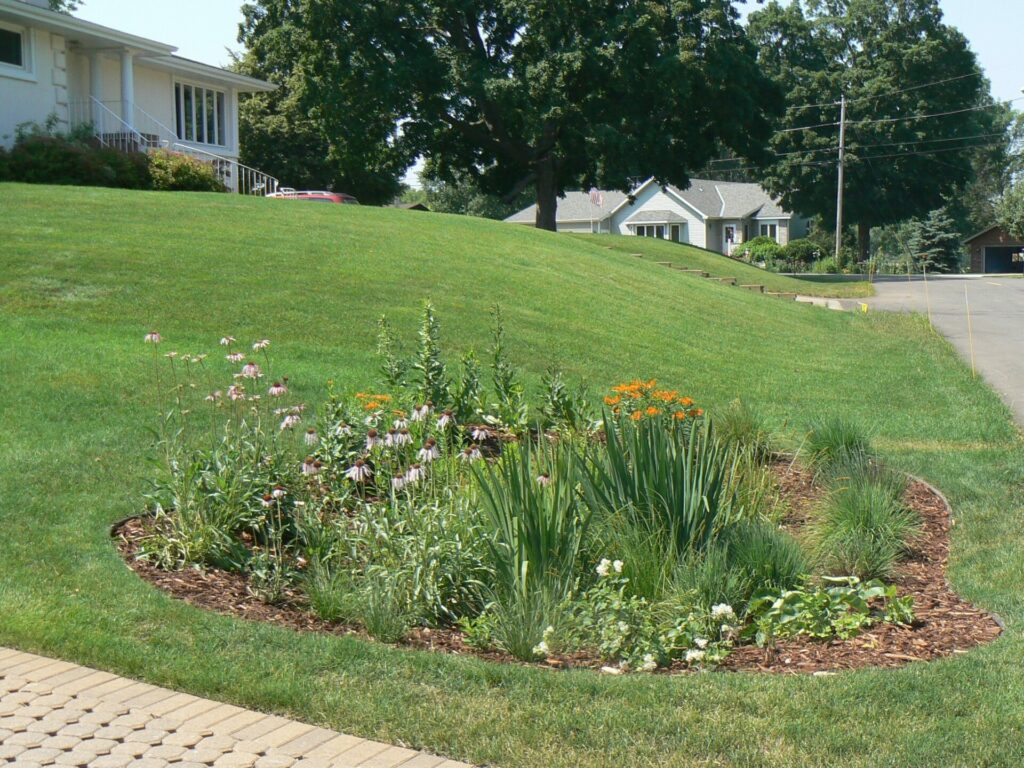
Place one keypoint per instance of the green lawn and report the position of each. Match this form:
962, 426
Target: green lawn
85, 273
716, 265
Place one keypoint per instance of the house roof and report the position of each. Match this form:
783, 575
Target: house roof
575, 206
85, 35
975, 236
711, 199
658, 217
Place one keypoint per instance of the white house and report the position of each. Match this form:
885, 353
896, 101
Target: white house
134, 93
716, 215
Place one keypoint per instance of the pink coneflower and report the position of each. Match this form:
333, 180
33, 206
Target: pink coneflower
401, 423
420, 412
445, 419
341, 429
290, 421
235, 357
236, 392
153, 338
251, 371
480, 433
171, 355
403, 437
213, 397
429, 451
472, 453
268, 500
277, 389
372, 439
311, 466
397, 482
359, 472
415, 473
311, 437
391, 437
278, 492
261, 344
227, 341
544, 479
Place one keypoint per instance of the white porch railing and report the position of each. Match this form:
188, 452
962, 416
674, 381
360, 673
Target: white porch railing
235, 176
147, 133
109, 128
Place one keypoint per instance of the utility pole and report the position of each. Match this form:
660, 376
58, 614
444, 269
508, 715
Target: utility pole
842, 168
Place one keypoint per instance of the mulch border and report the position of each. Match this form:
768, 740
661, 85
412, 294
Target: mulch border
945, 625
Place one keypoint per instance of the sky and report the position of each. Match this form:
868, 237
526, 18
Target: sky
205, 29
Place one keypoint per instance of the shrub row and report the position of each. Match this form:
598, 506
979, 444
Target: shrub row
38, 157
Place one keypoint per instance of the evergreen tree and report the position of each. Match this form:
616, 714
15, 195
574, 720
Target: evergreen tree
935, 243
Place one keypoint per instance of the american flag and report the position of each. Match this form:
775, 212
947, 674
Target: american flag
596, 197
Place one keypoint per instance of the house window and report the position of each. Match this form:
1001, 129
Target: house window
770, 230
200, 114
15, 50
651, 230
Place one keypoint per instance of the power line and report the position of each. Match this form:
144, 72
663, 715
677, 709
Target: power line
888, 93
935, 114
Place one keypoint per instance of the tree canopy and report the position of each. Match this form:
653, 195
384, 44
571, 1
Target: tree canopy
918, 107
522, 93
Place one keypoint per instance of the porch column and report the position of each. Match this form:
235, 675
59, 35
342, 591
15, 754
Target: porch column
128, 87
96, 89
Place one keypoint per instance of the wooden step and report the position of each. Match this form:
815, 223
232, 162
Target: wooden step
754, 288
776, 294
664, 263
725, 280
699, 272
638, 255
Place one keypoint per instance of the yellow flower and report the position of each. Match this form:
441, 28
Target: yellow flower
613, 400
652, 411
636, 416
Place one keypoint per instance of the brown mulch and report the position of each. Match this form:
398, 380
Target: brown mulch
944, 624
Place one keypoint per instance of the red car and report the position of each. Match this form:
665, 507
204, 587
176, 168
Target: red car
318, 196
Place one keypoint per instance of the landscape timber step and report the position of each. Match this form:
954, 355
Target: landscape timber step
725, 280
776, 294
700, 272
663, 263
754, 288
638, 255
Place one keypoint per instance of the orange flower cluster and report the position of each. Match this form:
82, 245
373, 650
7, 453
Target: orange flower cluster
641, 399
373, 402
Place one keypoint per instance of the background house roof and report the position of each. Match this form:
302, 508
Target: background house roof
658, 217
575, 206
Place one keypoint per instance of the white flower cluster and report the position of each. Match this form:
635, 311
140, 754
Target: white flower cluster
649, 663
606, 566
722, 611
542, 648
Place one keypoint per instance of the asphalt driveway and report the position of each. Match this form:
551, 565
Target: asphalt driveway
997, 318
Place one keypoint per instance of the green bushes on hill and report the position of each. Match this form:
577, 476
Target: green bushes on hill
42, 156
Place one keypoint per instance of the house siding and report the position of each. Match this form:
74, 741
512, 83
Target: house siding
35, 92
653, 198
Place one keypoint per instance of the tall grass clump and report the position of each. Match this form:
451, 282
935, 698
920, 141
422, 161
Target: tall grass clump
531, 501
673, 479
835, 441
864, 528
741, 426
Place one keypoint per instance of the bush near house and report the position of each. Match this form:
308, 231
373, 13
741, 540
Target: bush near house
42, 156
761, 249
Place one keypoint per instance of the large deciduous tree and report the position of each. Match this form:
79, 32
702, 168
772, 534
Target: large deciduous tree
880, 54
527, 93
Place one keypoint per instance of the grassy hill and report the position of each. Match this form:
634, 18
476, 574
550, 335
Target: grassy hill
85, 273
716, 265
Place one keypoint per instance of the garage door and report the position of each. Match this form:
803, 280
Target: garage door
999, 258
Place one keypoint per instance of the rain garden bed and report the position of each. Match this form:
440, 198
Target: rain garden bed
635, 533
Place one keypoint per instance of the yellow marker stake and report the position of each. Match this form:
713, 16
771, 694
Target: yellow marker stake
970, 332
928, 298
864, 308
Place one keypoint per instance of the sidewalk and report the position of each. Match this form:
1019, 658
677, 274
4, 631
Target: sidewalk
56, 713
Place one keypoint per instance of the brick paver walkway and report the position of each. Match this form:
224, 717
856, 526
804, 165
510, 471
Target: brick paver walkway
61, 714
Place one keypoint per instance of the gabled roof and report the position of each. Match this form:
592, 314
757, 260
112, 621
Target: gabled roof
575, 206
658, 217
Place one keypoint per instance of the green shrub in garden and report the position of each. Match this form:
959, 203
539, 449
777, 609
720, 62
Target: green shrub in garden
175, 171
835, 441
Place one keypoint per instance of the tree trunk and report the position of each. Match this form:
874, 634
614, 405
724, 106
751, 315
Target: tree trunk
547, 194
864, 240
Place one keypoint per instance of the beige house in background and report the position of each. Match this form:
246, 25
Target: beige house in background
716, 215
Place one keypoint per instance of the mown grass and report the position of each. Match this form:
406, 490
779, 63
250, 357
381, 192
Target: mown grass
84, 273
716, 265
